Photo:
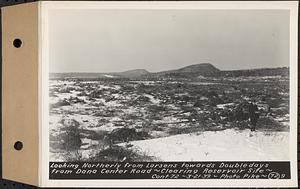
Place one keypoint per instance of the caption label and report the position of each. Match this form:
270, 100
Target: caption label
169, 170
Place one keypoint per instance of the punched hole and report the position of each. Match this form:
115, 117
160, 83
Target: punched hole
17, 43
18, 145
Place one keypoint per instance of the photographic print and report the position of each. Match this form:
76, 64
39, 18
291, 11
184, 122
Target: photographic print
167, 85
150, 86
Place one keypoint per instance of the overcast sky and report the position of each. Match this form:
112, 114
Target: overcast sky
157, 40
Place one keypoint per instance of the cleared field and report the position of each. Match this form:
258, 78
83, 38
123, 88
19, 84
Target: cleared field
112, 119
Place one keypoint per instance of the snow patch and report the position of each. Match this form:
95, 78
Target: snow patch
109, 76
223, 145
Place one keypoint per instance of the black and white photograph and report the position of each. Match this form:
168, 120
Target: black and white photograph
169, 85
122, 94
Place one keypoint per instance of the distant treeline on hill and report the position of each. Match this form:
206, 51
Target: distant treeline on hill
283, 71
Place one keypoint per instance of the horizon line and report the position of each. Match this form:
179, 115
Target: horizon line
172, 69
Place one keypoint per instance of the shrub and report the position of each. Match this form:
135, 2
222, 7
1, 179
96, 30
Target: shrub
122, 135
215, 101
157, 128
69, 123
184, 130
241, 124
73, 156
268, 123
71, 139
60, 103
118, 154
157, 108
75, 100
280, 111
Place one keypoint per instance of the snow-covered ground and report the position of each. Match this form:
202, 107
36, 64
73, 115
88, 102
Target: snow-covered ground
223, 145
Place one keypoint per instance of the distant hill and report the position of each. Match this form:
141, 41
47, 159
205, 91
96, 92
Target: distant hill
191, 71
199, 68
132, 73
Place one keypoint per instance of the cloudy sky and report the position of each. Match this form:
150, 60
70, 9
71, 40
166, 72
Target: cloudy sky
157, 40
